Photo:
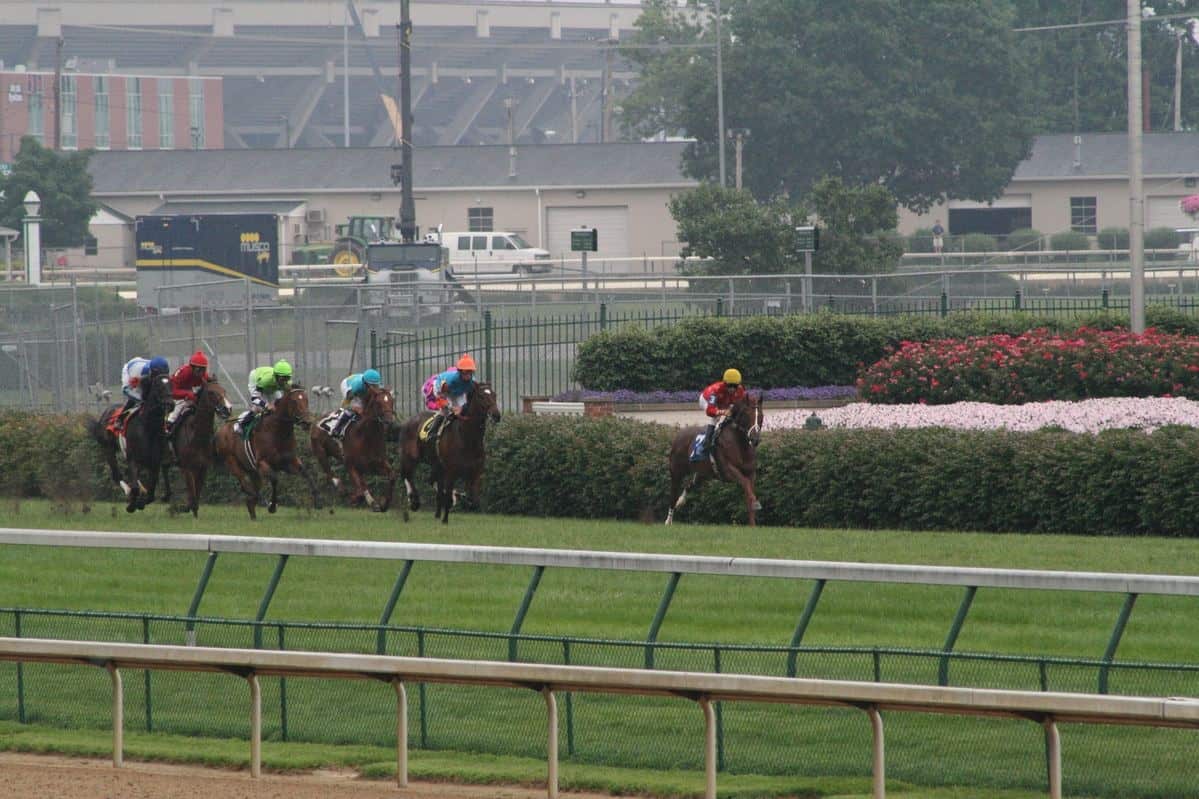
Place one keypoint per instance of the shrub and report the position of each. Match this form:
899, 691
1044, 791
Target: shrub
978, 242
1025, 240
1036, 366
921, 240
1113, 238
1069, 240
1161, 238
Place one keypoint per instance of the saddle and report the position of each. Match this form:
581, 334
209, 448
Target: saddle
426, 434
120, 421
328, 420
247, 427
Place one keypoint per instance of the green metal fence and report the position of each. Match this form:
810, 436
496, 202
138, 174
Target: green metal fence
614, 730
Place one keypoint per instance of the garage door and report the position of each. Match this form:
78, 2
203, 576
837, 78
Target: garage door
1164, 212
612, 222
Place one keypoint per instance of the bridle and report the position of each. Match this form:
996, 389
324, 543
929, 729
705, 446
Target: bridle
753, 432
294, 419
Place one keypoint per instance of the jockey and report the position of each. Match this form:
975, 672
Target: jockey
185, 384
133, 376
446, 392
354, 390
267, 384
717, 400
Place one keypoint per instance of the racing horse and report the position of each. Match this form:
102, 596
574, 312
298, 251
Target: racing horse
191, 442
457, 453
734, 448
143, 443
269, 450
363, 449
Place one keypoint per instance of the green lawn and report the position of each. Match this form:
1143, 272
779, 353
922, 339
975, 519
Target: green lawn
613, 731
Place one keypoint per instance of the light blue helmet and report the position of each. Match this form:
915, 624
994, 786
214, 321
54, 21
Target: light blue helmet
372, 377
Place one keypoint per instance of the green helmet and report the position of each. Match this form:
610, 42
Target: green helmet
282, 369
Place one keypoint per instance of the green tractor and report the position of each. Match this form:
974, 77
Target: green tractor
354, 236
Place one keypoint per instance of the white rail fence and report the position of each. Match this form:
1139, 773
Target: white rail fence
1045, 709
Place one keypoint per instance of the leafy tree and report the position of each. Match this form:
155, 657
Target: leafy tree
854, 223
926, 97
62, 181
741, 235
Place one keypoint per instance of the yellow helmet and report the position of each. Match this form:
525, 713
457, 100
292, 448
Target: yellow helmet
732, 377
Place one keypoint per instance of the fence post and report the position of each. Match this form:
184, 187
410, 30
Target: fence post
659, 617
374, 349
954, 630
720, 306
1117, 633
570, 715
282, 693
487, 344
1017, 299
944, 305
149, 703
20, 671
603, 316
1104, 299
719, 716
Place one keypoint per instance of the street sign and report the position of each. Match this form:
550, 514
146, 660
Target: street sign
584, 240
807, 238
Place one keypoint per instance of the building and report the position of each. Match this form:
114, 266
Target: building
1079, 183
110, 111
538, 191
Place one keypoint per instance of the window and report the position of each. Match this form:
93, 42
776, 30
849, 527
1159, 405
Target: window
195, 88
481, 219
37, 128
1082, 214
133, 117
464, 242
166, 114
91, 246
501, 243
70, 138
102, 125
479, 243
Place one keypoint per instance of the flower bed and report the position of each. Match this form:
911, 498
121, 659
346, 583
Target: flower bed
626, 397
1037, 365
1087, 416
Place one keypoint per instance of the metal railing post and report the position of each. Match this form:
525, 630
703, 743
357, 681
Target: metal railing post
1114, 642
705, 705
118, 717
389, 607
1053, 755
659, 616
551, 712
880, 760
265, 604
146, 673
954, 630
255, 726
523, 610
20, 671
802, 626
401, 732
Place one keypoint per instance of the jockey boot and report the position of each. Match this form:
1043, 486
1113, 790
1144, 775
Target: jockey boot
117, 425
344, 420
240, 424
439, 421
174, 416
708, 435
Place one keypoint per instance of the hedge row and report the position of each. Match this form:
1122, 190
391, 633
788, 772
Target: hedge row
799, 350
1116, 483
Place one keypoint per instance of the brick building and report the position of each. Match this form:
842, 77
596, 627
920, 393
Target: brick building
111, 112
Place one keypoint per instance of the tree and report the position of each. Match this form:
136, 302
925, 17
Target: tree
739, 234
64, 185
854, 223
925, 97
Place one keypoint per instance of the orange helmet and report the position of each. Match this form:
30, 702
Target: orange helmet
466, 364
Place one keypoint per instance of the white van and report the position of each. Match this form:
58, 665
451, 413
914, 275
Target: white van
494, 252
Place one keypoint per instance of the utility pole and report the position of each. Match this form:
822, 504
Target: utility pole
574, 112
58, 94
509, 107
1178, 82
407, 209
1136, 198
738, 135
720, 99
606, 94
345, 76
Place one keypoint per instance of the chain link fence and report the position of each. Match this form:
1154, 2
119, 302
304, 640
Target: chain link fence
924, 749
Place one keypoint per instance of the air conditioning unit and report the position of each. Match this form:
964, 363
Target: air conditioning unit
315, 216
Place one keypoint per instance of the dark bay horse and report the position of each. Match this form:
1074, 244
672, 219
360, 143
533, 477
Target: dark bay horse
271, 449
735, 446
363, 449
144, 442
192, 442
459, 453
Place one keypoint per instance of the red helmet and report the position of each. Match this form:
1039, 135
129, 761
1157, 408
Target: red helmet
199, 359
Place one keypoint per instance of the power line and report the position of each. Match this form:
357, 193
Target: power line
1121, 21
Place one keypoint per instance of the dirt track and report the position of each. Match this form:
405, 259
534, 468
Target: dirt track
79, 778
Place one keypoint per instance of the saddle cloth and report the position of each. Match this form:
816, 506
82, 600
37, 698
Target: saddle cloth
423, 435
326, 422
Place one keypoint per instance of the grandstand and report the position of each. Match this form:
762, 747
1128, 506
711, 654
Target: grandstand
284, 63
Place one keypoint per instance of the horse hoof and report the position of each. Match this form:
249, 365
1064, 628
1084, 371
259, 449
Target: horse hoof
130, 508
271, 508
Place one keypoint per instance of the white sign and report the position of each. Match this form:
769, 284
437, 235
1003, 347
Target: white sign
14, 93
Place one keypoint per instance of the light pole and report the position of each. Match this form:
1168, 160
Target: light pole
1136, 198
1190, 32
738, 135
33, 238
720, 98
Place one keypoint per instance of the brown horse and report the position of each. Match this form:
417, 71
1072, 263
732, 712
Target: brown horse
191, 442
735, 447
271, 449
459, 450
144, 442
363, 448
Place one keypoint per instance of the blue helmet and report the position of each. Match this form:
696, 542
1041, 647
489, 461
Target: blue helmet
372, 377
159, 364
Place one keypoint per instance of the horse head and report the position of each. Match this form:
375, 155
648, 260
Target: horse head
481, 399
156, 393
380, 405
293, 406
747, 416
212, 396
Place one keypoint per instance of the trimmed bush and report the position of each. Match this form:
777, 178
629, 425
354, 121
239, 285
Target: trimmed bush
920, 241
1161, 238
978, 242
1070, 240
1025, 239
798, 350
1113, 238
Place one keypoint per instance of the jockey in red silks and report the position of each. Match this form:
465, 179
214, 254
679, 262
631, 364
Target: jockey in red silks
717, 399
185, 384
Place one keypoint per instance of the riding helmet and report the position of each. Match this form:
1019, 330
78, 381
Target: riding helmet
282, 369
466, 364
372, 377
198, 359
732, 377
159, 364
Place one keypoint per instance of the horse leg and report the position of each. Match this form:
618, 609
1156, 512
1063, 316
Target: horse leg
407, 473
193, 492
360, 490
135, 489
323, 460
297, 467
249, 484
265, 472
446, 492
751, 502
165, 469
